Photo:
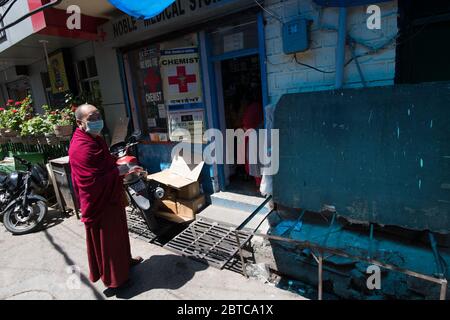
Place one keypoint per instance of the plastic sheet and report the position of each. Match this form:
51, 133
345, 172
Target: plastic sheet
141, 9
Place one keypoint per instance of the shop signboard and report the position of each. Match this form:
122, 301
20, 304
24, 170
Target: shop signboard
127, 30
180, 70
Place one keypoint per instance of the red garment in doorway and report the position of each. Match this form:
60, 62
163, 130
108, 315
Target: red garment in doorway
99, 192
252, 119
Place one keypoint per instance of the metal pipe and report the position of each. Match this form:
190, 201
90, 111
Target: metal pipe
250, 217
320, 294
440, 268
443, 294
342, 253
244, 269
340, 48
369, 255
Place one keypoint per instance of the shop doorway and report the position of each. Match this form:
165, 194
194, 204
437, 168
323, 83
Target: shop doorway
240, 107
237, 82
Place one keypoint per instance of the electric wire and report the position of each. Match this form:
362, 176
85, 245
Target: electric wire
29, 14
269, 12
7, 10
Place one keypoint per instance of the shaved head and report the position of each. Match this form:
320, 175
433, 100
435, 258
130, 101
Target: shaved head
87, 113
84, 111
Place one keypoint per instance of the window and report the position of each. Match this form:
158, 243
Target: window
88, 82
167, 87
422, 48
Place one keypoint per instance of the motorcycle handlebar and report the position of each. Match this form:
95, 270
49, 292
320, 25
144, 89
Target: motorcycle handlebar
129, 145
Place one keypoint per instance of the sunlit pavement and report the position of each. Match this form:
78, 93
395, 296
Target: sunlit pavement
44, 265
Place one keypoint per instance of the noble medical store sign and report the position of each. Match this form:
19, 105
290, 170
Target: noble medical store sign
127, 30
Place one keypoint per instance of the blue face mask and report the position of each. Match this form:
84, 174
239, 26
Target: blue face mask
94, 127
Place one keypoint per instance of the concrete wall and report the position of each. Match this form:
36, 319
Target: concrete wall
286, 76
37, 87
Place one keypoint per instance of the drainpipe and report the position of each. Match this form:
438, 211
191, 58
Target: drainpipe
340, 49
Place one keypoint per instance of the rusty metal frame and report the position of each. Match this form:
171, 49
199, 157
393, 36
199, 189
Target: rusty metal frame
319, 258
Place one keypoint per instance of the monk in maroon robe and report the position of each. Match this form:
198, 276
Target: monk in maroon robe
98, 187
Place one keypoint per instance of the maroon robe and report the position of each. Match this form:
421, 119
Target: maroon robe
99, 192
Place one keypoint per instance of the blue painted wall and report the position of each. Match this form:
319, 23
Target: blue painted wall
377, 154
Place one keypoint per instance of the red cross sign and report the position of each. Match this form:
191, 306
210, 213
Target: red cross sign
152, 81
182, 79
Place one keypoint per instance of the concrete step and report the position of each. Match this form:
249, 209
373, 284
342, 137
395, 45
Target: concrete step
235, 217
239, 202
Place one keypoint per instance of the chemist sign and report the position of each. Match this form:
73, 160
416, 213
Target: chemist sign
180, 71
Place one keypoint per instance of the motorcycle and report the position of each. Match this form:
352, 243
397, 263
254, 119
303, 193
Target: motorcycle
21, 207
140, 193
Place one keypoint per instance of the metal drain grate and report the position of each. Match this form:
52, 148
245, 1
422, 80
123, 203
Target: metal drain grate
137, 226
210, 242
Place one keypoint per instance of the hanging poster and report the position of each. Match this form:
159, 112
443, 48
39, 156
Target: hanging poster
149, 65
180, 71
151, 86
57, 73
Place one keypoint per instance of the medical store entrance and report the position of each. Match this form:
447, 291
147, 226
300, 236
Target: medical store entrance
242, 109
210, 76
237, 51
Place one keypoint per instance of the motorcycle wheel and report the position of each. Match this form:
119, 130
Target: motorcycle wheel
18, 222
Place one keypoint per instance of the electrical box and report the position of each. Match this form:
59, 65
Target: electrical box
295, 36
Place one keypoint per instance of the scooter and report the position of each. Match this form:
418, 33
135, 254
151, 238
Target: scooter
21, 207
141, 194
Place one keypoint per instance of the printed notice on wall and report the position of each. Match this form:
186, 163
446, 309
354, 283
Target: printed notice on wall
233, 42
162, 111
181, 78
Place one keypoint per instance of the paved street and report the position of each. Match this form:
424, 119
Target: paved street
37, 266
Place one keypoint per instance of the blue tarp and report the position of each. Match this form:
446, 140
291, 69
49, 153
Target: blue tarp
347, 3
142, 9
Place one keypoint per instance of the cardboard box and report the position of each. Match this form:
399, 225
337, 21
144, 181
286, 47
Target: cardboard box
179, 175
182, 198
168, 205
189, 192
189, 208
173, 217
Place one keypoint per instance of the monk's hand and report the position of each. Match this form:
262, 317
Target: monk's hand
123, 170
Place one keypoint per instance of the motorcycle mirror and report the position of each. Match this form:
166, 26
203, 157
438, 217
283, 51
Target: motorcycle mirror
136, 136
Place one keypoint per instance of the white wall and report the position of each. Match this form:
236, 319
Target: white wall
111, 86
286, 76
37, 87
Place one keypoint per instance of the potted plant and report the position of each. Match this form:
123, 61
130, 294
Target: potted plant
34, 130
64, 123
14, 116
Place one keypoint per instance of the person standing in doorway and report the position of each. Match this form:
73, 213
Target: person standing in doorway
252, 119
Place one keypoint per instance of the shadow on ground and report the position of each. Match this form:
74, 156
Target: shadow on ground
70, 262
161, 272
53, 218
